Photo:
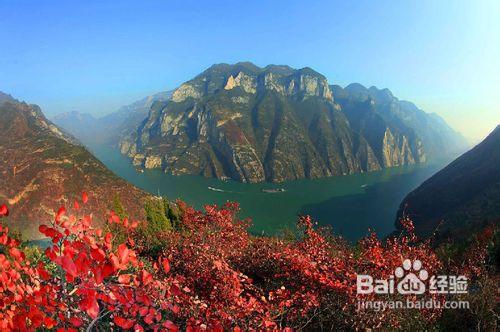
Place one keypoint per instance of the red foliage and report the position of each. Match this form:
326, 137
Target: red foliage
92, 279
3, 210
212, 274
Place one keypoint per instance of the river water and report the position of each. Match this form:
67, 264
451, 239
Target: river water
350, 204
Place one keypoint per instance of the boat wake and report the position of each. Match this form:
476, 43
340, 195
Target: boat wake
216, 189
225, 191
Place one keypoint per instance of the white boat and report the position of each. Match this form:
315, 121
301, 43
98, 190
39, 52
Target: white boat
273, 191
216, 189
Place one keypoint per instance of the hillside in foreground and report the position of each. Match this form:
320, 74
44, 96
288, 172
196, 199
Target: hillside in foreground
462, 197
203, 271
41, 168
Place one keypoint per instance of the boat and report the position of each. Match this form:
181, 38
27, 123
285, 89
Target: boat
273, 191
215, 189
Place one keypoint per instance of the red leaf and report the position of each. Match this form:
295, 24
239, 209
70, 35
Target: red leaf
69, 266
171, 326
115, 219
92, 308
108, 238
146, 277
42, 228
107, 270
42, 272
4, 211
124, 278
60, 213
98, 254
85, 197
49, 322
123, 322
166, 265
123, 253
77, 322
17, 254
76, 206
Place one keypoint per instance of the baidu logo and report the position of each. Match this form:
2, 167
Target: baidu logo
410, 278
413, 277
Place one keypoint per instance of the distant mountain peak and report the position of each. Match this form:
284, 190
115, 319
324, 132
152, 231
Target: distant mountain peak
5, 97
284, 80
73, 115
353, 87
109, 128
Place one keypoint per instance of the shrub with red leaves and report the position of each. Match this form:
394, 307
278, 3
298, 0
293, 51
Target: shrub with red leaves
210, 274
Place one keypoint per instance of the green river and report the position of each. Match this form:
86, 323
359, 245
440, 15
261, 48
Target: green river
350, 204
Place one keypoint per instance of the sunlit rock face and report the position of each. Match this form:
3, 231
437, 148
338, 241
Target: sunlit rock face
275, 124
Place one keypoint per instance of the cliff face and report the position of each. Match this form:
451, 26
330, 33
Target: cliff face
41, 168
420, 135
267, 124
462, 197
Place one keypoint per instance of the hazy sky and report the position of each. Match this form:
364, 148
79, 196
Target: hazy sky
94, 56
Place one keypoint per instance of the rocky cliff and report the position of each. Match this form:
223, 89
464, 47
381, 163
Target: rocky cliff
41, 168
269, 124
372, 111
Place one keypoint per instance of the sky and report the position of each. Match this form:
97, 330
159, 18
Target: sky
95, 56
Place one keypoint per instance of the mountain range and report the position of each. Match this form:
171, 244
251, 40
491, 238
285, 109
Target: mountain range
461, 198
110, 128
43, 168
251, 124
277, 123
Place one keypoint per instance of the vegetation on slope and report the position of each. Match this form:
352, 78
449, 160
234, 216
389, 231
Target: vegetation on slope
461, 198
41, 168
211, 274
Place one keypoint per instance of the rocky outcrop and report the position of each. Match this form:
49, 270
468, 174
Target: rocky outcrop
396, 153
185, 91
152, 162
271, 124
284, 80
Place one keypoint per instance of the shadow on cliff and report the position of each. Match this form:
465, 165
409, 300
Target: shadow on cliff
352, 215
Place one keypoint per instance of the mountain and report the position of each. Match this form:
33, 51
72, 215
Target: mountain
5, 97
367, 109
41, 168
109, 128
277, 123
460, 198
83, 126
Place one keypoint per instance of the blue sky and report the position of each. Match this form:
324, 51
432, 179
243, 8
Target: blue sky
94, 56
